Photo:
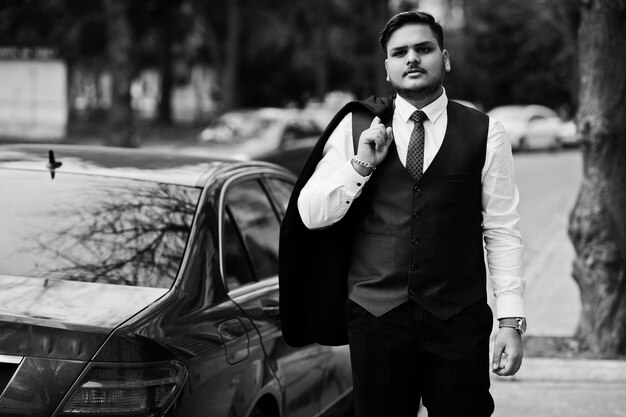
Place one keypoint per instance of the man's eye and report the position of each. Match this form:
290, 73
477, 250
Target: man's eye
398, 53
425, 50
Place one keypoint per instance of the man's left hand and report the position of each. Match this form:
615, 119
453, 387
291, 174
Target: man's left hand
508, 351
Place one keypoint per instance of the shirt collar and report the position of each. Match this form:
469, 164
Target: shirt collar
433, 110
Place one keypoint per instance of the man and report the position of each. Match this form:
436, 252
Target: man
399, 220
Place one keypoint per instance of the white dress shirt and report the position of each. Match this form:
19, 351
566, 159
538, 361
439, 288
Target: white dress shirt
334, 185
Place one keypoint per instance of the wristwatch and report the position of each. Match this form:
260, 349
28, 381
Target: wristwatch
518, 323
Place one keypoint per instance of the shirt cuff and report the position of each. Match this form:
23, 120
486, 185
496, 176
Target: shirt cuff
509, 305
350, 179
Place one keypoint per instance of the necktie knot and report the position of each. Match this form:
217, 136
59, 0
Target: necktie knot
418, 116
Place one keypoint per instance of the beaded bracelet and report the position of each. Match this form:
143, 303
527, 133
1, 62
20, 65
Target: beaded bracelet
363, 163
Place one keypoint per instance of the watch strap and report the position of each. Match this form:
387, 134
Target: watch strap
517, 323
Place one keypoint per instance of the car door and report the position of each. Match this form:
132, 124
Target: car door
338, 373
250, 225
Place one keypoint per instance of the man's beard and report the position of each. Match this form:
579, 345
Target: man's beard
424, 92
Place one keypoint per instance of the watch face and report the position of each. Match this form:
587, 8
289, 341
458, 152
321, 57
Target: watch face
521, 325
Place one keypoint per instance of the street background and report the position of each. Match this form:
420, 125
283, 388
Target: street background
182, 64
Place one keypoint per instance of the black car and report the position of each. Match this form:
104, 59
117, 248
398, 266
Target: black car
145, 284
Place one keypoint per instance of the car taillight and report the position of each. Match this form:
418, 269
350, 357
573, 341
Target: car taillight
141, 390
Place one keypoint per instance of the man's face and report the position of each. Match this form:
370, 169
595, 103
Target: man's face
415, 64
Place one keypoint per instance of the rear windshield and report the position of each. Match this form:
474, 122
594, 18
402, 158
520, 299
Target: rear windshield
93, 229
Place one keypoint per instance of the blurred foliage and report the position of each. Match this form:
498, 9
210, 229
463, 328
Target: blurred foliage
274, 52
521, 54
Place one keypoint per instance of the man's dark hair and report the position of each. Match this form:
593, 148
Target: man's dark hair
411, 18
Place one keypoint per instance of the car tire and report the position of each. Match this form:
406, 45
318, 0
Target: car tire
522, 145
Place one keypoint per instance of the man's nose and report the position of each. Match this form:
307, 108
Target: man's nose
412, 56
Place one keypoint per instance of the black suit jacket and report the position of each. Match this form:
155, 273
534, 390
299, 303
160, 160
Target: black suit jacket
313, 264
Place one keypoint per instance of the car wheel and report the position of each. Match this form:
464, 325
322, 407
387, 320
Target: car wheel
522, 145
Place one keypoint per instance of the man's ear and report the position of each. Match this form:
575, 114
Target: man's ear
446, 60
387, 71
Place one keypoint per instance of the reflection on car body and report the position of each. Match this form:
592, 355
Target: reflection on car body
144, 284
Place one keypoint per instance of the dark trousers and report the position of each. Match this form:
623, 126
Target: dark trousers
408, 354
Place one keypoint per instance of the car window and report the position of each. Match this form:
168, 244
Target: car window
94, 229
281, 190
256, 225
237, 267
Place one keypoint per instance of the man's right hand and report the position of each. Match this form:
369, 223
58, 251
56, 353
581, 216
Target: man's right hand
374, 143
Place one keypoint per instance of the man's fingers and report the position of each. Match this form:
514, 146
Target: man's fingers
388, 135
509, 365
516, 366
379, 143
382, 143
508, 351
375, 122
515, 362
496, 362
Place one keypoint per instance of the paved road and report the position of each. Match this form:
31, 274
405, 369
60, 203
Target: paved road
548, 185
548, 387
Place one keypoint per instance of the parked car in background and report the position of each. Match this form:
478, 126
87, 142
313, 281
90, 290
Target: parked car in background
145, 284
282, 136
568, 134
531, 126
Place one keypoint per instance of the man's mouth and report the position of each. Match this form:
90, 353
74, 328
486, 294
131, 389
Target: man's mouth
413, 71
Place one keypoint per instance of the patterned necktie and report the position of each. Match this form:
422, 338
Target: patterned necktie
415, 151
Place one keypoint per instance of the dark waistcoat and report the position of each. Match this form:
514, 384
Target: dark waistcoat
423, 240
314, 264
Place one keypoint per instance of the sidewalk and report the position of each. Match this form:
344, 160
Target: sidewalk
550, 387
547, 387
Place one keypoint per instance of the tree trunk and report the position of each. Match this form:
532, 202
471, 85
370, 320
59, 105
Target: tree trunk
119, 52
381, 15
597, 224
231, 63
321, 49
165, 64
